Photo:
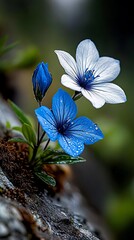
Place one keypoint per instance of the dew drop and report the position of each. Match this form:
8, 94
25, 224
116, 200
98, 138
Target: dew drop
96, 127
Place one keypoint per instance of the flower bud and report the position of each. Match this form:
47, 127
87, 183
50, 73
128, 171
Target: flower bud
41, 80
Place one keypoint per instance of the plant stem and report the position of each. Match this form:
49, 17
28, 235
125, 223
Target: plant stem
76, 95
42, 137
38, 131
38, 138
47, 144
37, 146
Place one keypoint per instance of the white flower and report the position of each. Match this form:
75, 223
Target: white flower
91, 75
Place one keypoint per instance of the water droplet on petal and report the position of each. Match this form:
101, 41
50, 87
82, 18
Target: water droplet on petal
96, 127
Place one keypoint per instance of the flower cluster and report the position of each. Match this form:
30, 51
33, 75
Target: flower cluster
89, 76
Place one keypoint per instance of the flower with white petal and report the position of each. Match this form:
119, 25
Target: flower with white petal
91, 75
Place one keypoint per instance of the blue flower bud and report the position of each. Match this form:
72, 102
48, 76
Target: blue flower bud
41, 80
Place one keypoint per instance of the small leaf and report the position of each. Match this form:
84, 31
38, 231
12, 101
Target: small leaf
65, 160
29, 133
17, 128
46, 178
27, 58
20, 140
8, 48
19, 113
58, 157
8, 125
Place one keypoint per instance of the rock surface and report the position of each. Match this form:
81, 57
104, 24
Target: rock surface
63, 216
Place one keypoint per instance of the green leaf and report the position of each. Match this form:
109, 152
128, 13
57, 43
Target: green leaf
29, 133
8, 125
4, 48
46, 178
57, 157
19, 113
20, 140
17, 128
27, 58
8, 48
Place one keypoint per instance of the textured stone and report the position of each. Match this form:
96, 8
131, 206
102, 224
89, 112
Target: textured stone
4, 232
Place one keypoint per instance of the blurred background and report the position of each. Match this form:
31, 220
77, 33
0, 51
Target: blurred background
32, 30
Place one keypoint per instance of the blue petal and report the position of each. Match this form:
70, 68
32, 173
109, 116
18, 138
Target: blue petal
44, 77
47, 121
85, 130
41, 79
64, 108
71, 145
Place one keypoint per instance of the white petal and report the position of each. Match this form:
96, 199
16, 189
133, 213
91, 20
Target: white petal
94, 98
107, 69
67, 81
110, 92
86, 55
67, 62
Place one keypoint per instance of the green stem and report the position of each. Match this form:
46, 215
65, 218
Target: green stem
47, 144
42, 137
38, 138
34, 153
38, 131
36, 147
76, 95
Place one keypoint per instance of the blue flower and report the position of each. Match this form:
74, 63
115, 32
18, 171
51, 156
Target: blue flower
60, 124
41, 79
91, 75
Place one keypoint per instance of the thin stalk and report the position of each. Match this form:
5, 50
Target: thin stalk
38, 138
76, 95
38, 131
36, 147
73, 97
42, 137
47, 144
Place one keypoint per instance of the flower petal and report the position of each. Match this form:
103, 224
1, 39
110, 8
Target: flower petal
107, 69
93, 97
67, 62
41, 79
85, 130
67, 81
64, 108
47, 121
71, 145
110, 92
86, 55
